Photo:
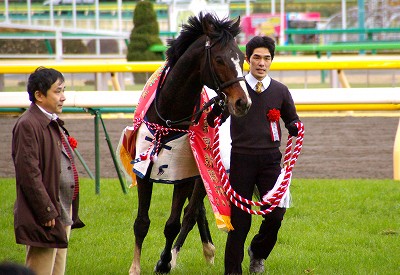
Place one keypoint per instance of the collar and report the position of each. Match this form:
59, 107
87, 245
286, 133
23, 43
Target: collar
252, 81
51, 116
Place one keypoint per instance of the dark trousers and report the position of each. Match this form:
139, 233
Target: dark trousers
246, 172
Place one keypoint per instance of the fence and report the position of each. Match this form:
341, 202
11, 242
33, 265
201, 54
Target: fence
338, 99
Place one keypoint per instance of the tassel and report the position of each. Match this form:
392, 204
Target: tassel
143, 156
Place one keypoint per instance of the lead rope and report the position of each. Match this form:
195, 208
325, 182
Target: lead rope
289, 161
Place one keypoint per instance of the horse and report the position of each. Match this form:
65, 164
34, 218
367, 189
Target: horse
204, 54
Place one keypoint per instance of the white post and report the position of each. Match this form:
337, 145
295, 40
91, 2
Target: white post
119, 3
273, 10
396, 155
51, 12
121, 42
6, 11
97, 15
28, 3
282, 30
97, 27
344, 19
74, 14
59, 46
247, 7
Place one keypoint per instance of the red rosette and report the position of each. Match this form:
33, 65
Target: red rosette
274, 115
72, 142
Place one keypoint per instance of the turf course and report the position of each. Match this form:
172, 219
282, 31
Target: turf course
334, 227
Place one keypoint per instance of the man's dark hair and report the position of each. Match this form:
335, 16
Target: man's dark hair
10, 268
41, 80
260, 42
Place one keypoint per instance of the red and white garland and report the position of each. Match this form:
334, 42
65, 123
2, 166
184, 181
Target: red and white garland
273, 200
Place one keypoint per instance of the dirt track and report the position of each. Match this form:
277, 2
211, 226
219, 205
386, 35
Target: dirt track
334, 147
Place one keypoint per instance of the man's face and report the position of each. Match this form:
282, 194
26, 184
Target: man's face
54, 100
260, 62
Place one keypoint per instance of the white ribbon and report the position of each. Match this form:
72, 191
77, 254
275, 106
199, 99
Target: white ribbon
274, 131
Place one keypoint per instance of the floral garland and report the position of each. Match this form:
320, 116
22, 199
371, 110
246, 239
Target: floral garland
72, 142
274, 115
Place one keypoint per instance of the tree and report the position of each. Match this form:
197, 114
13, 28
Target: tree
144, 34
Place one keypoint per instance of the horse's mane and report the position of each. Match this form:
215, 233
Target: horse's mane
223, 31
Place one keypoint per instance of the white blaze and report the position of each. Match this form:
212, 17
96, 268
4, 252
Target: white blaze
236, 62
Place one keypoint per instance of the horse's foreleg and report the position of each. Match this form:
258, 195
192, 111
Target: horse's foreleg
142, 222
173, 225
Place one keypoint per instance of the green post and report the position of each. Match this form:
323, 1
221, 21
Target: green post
48, 46
97, 150
113, 157
83, 163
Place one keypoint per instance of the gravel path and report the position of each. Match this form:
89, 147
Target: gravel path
334, 147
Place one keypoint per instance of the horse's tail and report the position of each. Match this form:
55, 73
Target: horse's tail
125, 154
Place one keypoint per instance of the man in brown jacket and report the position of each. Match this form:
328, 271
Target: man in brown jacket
46, 178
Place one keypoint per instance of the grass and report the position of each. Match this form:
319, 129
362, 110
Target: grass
334, 227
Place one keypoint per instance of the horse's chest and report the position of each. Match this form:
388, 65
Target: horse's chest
172, 158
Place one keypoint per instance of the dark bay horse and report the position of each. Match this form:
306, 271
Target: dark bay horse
204, 54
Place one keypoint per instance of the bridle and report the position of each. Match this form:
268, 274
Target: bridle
220, 99
218, 87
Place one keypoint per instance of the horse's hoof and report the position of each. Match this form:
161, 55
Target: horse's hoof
209, 252
174, 253
134, 270
162, 268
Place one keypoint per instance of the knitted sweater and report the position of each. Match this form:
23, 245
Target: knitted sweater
251, 134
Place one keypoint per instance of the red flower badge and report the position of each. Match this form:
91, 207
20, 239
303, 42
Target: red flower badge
72, 142
274, 115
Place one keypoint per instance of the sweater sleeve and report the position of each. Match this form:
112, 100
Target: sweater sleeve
288, 111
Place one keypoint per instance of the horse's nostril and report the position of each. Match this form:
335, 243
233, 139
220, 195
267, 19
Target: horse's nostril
239, 103
242, 106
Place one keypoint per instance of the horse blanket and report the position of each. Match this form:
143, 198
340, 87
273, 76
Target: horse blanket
187, 156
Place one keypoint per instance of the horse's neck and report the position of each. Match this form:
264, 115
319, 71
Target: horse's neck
180, 92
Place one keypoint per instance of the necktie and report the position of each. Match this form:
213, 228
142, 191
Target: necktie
259, 87
76, 179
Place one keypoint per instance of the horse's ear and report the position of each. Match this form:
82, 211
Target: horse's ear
236, 25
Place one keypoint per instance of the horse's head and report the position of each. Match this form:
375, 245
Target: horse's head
222, 67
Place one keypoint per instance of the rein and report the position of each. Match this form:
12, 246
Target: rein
274, 200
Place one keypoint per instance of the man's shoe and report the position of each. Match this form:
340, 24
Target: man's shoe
256, 265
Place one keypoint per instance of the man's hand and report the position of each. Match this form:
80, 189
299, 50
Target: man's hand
292, 129
51, 223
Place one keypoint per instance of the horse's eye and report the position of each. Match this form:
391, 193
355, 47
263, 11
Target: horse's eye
219, 60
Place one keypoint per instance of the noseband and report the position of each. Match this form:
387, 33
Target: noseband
220, 99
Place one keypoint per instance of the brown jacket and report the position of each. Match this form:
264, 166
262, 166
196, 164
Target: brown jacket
36, 152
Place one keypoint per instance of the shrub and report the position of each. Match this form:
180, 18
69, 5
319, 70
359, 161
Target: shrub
144, 34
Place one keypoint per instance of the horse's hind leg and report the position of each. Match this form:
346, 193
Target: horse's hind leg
173, 225
205, 235
142, 222
195, 212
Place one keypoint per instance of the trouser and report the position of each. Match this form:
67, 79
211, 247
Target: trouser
248, 171
47, 261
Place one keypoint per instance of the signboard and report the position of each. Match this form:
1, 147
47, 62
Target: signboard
270, 24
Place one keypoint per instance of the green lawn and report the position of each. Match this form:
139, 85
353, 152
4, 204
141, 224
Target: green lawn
334, 227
